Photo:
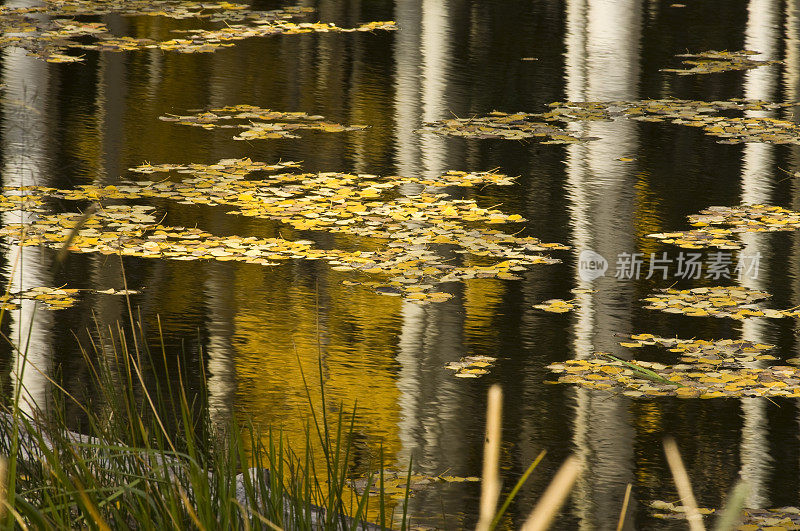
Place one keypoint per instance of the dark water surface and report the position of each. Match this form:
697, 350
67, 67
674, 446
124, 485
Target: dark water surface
248, 325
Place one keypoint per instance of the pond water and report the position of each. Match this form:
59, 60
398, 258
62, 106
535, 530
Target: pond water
248, 329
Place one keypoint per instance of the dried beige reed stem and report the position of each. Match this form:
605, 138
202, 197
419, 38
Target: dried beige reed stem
554, 497
490, 482
625, 501
683, 485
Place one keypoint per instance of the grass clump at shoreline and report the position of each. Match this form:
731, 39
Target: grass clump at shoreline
150, 458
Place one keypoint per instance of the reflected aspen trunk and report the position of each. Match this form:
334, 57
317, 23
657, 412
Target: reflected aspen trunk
220, 297
791, 86
220, 351
430, 426
758, 167
602, 58
24, 154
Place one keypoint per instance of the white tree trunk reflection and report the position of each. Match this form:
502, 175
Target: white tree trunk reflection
602, 58
24, 163
430, 336
791, 85
758, 167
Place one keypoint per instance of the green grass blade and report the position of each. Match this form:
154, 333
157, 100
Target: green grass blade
731, 515
515, 490
644, 372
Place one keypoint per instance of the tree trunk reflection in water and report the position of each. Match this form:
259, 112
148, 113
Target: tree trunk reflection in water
602, 64
791, 86
431, 424
761, 34
25, 127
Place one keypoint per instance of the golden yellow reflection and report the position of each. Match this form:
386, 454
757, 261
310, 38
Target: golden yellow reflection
482, 298
348, 331
647, 215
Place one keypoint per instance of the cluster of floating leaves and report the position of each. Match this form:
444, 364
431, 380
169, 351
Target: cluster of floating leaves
395, 483
556, 305
205, 41
418, 293
715, 118
703, 350
749, 218
368, 205
708, 369
719, 353
699, 238
50, 38
712, 117
471, 366
685, 380
134, 231
517, 126
214, 11
717, 224
361, 205
412, 227
770, 519
224, 169
675, 511
259, 124
734, 302
52, 298
29, 199
712, 61
751, 519
561, 305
